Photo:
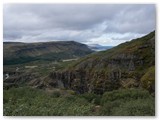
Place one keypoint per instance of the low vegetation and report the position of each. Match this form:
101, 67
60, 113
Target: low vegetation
132, 102
148, 79
27, 101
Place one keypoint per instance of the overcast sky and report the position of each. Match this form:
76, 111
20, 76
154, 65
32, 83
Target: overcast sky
103, 24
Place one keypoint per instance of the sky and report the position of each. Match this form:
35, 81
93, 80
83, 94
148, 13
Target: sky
104, 24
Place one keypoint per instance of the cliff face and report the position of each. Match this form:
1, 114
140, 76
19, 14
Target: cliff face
121, 66
17, 78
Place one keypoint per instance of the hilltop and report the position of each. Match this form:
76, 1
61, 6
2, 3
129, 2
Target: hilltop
17, 52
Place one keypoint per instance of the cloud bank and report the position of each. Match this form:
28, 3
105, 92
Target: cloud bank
105, 24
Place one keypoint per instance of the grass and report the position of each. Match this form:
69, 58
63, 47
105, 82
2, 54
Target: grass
44, 68
125, 48
27, 101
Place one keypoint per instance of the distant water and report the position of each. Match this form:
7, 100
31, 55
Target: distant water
101, 48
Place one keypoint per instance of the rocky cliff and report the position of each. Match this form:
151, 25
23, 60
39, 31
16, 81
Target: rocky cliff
120, 67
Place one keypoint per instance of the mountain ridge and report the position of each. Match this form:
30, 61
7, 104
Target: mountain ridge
119, 67
24, 52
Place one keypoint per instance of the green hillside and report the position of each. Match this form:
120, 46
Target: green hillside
120, 67
16, 53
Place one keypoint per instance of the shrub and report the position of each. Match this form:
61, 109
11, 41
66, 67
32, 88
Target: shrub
108, 106
71, 92
148, 79
91, 97
139, 107
128, 102
56, 94
125, 94
34, 102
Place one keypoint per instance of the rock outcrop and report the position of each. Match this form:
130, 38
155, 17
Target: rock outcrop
121, 66
17, 78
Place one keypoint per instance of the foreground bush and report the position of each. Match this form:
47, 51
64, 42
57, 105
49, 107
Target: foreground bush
32, 102
125, 94
91, 98
131, 102
139, 107
36, 103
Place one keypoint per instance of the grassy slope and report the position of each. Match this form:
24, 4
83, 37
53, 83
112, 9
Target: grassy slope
126, 48
16, 53
142, 50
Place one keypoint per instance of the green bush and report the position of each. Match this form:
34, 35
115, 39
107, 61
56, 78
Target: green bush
91, 98
137, 107
56, 94
125, 94
131, 102
108, 106
71, 92
148, 79
35, 102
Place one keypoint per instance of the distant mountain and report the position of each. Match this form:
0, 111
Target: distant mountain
16, 52
97, 47
130, 64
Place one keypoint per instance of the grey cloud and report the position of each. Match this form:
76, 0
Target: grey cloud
61, 16
135, 19
12, 36
80, 22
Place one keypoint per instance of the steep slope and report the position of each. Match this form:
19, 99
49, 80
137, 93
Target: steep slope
120, 67
24, 52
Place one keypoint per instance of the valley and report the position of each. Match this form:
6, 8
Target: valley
68, 78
